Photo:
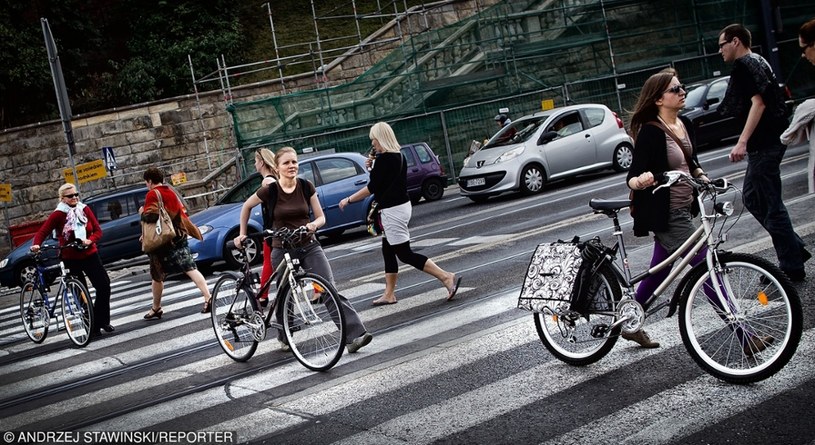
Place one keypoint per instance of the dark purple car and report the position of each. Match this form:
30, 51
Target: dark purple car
425, 175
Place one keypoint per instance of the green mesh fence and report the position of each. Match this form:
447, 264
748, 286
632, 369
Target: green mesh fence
445, 86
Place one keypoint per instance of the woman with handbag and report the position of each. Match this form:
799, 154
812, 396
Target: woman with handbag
662, 142
174, 256
292, 199
388, 184
74, 220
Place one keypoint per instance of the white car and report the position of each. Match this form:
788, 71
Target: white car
545, 146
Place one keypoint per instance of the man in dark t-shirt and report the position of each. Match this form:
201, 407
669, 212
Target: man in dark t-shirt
754, 99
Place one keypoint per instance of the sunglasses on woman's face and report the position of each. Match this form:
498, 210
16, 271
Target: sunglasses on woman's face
675, 89
71, 196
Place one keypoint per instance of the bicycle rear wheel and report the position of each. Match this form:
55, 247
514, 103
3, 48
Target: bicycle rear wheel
581, 339
237, 323
764, 332
34, 313
77, 312
313, 323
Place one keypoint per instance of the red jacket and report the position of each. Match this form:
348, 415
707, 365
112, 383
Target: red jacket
56, 221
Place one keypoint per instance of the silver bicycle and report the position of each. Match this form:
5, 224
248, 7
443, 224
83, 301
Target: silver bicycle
739, 316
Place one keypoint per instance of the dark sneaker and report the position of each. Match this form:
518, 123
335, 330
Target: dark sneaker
757, 344
796, 275
359, 342
641, 337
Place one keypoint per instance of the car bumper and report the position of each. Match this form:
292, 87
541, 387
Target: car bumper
210, 249
489, 181
7, 277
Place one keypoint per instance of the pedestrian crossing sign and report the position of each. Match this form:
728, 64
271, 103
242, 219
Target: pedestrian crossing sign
109, 158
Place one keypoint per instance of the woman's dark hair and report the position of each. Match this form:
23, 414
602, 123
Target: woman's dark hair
154, 175
807, 32
737, 30
646, 108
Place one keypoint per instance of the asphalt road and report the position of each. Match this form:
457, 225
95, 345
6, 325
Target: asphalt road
470, 371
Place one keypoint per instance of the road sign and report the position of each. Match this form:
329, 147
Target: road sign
5, 192
89, 171
110, 159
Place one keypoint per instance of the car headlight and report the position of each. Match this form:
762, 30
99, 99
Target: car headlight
204, 229
3, 263
511, 154
467, 161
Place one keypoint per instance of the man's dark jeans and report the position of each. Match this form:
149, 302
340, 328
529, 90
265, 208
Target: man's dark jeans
762, 197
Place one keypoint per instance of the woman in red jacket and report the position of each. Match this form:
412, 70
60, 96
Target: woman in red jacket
74, 220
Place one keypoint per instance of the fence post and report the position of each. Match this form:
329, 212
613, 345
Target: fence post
447, 146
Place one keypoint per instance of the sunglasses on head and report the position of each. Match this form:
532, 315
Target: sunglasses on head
675, 89
71, 196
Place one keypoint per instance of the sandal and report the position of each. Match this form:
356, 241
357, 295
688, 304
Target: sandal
154, 313
207, 307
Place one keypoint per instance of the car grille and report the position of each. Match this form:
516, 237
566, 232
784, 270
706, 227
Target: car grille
489, 181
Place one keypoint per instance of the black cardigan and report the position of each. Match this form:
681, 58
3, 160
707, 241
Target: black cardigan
389, 180
651, 154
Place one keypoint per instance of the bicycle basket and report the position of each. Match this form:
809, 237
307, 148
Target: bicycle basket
551, 275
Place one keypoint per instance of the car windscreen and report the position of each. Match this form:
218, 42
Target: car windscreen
695, 95
241, 191
516, 132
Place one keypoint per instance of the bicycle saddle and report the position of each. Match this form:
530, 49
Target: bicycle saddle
605, 205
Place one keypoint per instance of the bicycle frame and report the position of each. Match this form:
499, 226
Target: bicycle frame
702, 236
61, 289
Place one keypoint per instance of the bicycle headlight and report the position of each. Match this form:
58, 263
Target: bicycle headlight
724, 208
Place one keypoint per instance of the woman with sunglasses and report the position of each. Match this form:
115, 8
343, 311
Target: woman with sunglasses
74, 220
662, 142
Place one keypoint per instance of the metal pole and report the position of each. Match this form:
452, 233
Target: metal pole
447, 145
62, 95
276, 53
769, 38
319, 48
198, 107
611, 55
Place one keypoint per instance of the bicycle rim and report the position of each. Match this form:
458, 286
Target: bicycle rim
568, 335
235, 319
77, 312
34, 313
313, 324
766, 329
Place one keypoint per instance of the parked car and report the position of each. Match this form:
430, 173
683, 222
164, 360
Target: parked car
425, 175
335, 176
545, 146
118, 215
702, 109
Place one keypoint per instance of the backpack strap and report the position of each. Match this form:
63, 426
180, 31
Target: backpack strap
268, 218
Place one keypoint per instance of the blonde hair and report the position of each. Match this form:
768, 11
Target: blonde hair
64, 187
268, 159
383, 133
282, 151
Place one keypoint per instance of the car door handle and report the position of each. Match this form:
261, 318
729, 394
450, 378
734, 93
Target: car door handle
361, 181
587, 136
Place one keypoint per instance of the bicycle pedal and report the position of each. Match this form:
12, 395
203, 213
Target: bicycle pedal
599, 331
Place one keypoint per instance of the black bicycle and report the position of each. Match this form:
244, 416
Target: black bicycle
37, 307
312, 325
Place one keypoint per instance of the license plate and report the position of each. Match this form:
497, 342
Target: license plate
476, 182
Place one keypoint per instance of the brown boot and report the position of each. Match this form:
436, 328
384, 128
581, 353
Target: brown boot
642, 338
757, 344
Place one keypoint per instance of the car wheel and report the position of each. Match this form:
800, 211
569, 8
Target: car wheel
479, 199
234, 257
532, 179
623, 156
26, 270
433, 189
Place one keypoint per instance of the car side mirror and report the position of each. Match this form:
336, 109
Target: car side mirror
711, 101
548, 137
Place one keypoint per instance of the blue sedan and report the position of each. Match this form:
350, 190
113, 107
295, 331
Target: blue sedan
335, 175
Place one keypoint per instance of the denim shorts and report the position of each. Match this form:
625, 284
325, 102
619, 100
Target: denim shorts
680, 227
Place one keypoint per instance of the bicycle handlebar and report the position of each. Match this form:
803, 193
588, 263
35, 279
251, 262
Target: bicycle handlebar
284, 233
669, 178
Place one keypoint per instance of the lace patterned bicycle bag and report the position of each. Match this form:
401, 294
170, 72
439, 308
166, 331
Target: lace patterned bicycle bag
551, 275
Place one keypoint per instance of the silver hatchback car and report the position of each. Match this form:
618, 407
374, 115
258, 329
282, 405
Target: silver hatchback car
545, 146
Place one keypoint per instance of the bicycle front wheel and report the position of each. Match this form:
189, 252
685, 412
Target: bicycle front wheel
34, 313
237, 323
313, 322
77, 312
582, 338
762, 333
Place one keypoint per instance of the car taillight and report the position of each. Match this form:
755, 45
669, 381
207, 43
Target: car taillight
619, 121
441, 166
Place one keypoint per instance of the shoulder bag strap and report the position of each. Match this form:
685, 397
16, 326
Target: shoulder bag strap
670, 133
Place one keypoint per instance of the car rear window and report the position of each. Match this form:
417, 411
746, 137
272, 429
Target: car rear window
595, 116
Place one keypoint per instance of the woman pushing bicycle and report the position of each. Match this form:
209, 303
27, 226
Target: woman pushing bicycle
291, 199
662, 142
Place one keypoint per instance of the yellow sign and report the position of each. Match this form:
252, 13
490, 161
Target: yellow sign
547, 104
5, 192
179, 178
89, 171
